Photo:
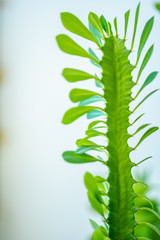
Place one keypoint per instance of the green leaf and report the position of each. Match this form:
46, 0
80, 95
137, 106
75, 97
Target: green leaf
92, 100
141, 128
67, 45
98, 235
135, 25
74, 113
72, 157
77, 94
140, 188
95, 113
143, 160
148, 80
85, 142
94, 132
145, 61
157, 5
143, 238
142, 201
94, 224
99, 84
154, 228
145, 99
100, 179
92, 124
104, 24
146, 134
110, 29
150, 210
84, 149
92, 53
74, 25
98, 36
145, 34
95, 22
126, 17
95, 204
75, 75
137, 119
92, 187
115, 26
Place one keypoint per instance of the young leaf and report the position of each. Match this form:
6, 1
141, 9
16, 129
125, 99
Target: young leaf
92, 124
110, 29
135, 26
145, 99
91, 100
115, 26
148, 80
142, 201
141, 128
91, 52
77, 94
140, 188
84, 149
98, 36
75, 75
74, 25
92, 187
99, 84
137, 119
146, 134
95, 22
143, 238
98, 235
95, 204
157, 5
94, 224
95, 113
145, 61
74, 113
92, 131
143, 160
126, 17
86, 142
145, 34
67, 45
154, 228
150, 210
104, 24
73, 157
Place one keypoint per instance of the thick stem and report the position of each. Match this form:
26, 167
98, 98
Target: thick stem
117, 80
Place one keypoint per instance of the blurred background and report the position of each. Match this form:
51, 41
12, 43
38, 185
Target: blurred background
42, 197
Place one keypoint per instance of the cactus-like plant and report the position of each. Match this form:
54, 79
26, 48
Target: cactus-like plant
118, 198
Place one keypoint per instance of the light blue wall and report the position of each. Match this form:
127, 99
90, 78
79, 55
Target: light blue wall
44, 198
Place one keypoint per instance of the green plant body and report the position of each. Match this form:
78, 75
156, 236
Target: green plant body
119, 199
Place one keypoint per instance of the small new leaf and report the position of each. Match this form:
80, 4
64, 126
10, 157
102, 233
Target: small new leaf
95, 22
126, 17
104, 24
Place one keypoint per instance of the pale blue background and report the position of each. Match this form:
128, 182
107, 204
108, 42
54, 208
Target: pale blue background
42, 197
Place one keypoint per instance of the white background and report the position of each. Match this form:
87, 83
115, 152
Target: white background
42, 197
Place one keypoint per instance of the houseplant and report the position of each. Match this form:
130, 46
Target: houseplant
120, 200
